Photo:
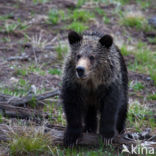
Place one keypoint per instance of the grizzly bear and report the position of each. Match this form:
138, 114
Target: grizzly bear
94, 83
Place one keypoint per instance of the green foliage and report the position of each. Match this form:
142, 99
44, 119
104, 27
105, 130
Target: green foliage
54, 71
5, 17
61, 51
133, 21
151, 97
144, 61
152, 40
81, 15
99, 11
106, 19
24, 71
143, 4
153, 73
9, 28
22, 145
12, 27
80, 3
55, 16
137, 116
1, 118
124, 51
137, 22
40, 1
77, 26
137, 86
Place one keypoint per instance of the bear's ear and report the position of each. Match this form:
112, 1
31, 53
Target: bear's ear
74, 37
106, 41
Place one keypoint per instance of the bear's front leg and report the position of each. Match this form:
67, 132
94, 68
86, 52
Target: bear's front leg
73, 110
74, 126
110, 104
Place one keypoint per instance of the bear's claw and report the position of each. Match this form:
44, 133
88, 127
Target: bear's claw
108, 141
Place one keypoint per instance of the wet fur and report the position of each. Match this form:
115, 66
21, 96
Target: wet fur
104, 92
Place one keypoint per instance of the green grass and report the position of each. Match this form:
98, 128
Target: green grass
61, 51
136, 86
81, 16
124, 51
40, 1
137, 116
1, 118
151, 97
24, 145
77, 26
27, 144
152, 40
24, 71
5, 17
137, 22
133, 21
12, 27
36, 143
80, 3
143, 4
144, 61
54, 71
55, 16
79, 20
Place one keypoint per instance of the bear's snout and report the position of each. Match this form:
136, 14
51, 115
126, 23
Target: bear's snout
80, 71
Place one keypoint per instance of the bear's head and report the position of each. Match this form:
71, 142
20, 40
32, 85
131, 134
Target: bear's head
90, 54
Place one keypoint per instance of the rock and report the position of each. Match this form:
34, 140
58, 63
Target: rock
152, 21
148, 78
13, 80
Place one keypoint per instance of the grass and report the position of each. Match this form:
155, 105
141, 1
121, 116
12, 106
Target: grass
24, 71
124, 51
23, 145
5, 17
14, 26
61, 51
54, 71
1, 118
144, 61
38, 41
136, 86
27, 143
137, 22
143, 4
77, 26
151, 97
79, 20
40, 1
53, 16
80, 3
81, 16
137, 116
152, 40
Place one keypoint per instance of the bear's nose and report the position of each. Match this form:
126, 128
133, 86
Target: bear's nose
80, 71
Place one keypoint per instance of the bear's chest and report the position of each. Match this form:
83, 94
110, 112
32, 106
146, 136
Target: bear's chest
89, 97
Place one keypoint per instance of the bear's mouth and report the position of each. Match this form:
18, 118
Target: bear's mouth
84, 77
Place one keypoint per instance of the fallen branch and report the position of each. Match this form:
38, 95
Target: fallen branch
17, 101
21, 58
20, 112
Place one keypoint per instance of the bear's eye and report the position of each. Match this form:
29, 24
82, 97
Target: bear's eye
91, 58
78, 56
